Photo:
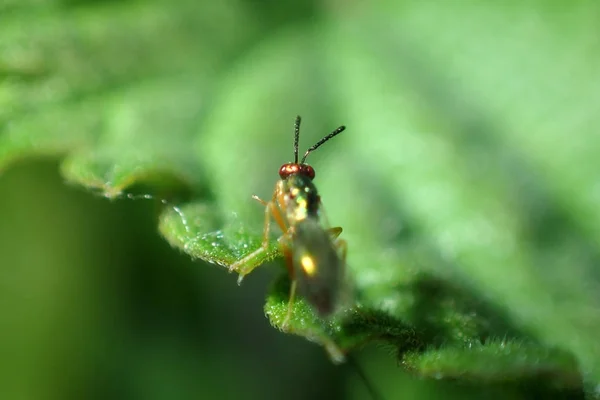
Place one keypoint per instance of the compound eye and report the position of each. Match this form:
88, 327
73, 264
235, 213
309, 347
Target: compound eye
288, 169
308, 171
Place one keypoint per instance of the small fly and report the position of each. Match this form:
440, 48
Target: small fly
315, 257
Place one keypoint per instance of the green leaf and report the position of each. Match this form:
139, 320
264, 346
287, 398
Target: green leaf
199, 231
340, 334
466, 182
475, 158
116, 86
496, 361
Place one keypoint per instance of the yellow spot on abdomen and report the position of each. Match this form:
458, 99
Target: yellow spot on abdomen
308, 265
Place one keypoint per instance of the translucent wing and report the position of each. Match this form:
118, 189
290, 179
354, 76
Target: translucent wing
318, 268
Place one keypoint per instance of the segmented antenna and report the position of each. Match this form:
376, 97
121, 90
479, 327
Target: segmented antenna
320, 142
296, 138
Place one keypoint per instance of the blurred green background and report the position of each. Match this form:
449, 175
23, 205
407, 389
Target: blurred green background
471, 155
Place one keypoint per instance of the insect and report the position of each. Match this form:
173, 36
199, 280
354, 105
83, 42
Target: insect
315, 257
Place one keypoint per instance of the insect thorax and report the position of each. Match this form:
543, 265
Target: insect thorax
301, 198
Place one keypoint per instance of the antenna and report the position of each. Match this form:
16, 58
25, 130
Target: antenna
320, 142
296, 138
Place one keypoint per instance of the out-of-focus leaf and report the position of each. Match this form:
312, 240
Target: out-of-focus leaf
475, 140
118, 87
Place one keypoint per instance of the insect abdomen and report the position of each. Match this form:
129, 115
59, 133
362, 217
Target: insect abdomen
317, 266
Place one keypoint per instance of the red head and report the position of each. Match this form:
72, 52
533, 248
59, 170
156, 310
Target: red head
293, 168
302, 168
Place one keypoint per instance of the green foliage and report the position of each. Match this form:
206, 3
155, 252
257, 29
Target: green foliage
487, 362
466, 182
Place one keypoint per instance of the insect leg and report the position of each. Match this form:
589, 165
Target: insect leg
287, 254
286, 321
244, 266
261, 201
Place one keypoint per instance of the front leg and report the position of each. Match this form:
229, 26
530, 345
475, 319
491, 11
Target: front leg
246, 265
